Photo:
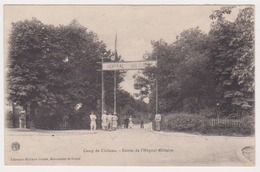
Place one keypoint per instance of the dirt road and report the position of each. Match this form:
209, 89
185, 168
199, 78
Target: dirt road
124, 147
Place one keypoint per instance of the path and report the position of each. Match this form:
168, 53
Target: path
119, 148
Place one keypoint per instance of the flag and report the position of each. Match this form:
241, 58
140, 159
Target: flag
116, 56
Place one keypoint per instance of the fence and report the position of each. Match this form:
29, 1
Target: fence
226, 122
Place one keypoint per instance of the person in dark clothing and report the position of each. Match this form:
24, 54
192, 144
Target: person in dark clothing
142, 124
126, 122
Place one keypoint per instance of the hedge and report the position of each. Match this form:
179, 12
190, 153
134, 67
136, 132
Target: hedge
191, 123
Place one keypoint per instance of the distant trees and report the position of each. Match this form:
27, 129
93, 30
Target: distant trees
200, 72
128, 105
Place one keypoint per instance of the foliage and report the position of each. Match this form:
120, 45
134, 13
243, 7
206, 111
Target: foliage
52, 69
183, 123
248, 126
202, 71
55, 67
232, 60
184, 81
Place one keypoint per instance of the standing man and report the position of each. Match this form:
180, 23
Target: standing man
114, 121
126, 122
130, 122
22, 123
109, 120
142, 123
104, 121
93, 124
157, 120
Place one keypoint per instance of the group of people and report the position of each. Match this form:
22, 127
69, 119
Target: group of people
109, 122
128, 122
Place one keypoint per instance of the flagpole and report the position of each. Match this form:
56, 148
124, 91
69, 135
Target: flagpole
102, 89
156, 109
115, 92
115, 76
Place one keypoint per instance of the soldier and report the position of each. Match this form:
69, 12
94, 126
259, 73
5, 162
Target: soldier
142, 123
114, 121
104, 121
93, 124
22, 123
126, 122
157, 120
130, 122
109, 120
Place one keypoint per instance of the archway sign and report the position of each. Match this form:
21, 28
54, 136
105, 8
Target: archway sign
130, 65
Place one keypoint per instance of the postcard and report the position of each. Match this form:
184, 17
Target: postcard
129, 85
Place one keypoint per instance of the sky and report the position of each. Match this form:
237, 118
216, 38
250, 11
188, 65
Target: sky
135, 26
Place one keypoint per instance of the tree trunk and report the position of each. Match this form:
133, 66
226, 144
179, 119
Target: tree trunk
198, 103
13, 115
27, 119
32, 115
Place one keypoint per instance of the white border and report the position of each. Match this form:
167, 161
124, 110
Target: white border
130, 169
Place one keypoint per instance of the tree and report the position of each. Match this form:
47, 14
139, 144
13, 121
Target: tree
55, 67
29, 44
200, 71
127, 101
232, 60
193, 79
182, 73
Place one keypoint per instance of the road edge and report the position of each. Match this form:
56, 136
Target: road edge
243, 159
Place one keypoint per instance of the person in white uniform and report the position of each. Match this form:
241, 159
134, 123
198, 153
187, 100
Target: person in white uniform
104, 121
157, 120
130, 122
114, 121
93, 124
22, 122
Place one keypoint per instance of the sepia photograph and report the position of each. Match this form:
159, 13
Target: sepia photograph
129, 85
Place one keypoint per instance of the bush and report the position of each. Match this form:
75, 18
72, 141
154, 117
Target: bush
198, 124
248, 125
183, 123
210, 112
